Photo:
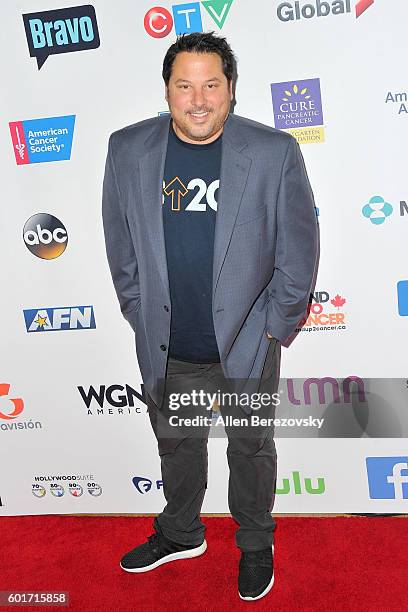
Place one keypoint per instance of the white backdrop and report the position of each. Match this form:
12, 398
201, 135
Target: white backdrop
49, 437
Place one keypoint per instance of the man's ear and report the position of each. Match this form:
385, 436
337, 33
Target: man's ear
166, 93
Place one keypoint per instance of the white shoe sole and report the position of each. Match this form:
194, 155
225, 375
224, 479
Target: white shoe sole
184, 554
265, 591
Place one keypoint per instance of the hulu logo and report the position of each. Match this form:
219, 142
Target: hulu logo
295, 485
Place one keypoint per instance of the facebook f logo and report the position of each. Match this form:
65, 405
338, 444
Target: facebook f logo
187, 18
387, 477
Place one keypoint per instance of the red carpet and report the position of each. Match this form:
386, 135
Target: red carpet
326, 564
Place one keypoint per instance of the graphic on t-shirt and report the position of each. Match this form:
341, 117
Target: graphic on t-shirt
205, 194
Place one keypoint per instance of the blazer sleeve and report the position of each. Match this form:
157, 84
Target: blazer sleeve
118, 242
296, 247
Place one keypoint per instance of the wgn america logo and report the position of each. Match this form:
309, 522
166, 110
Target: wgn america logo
144, 485
299, 486
324, 313
121, 399
297, 108
42, 140
387, 477
377, 209
45, 236
293, 11
186, 18
59, 319
61, 31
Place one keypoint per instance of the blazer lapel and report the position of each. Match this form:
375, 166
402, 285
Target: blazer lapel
151, 167
233, 177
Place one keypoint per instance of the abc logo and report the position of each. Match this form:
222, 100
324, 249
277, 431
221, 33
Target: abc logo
45, 236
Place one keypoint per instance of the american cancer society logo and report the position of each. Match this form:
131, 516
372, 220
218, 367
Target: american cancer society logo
297, 107
42, 140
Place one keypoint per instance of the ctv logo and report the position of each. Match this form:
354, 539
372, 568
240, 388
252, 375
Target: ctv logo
292, 11
59, 319
42, 140
61, 31
144, 485
186, 18
387, 477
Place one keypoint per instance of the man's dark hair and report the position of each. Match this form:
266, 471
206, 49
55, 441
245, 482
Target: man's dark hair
201, 42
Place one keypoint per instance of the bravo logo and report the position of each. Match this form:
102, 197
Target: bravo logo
61, 31
186, 18
58, 319
324, 313
42, 140
293, 11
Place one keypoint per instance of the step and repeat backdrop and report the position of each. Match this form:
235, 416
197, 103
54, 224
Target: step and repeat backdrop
74, 432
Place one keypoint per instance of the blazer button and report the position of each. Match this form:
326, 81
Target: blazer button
166, 308
163, 347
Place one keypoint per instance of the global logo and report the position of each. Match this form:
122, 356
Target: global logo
42, 140
297, 108
17, 403
45, 236
61, 31
377, 210
144, 485
293, 11
186, 18
59, 319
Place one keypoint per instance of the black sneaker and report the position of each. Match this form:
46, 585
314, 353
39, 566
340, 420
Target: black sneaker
156, 551
255, 574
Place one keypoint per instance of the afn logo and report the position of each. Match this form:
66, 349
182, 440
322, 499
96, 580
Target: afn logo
387, 477
143, 485
59, 319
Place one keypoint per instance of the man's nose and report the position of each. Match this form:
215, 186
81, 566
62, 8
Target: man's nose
198, 98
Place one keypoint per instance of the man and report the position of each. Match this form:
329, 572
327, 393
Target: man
211, 238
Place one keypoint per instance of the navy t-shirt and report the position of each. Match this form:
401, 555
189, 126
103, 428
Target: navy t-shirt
190, 187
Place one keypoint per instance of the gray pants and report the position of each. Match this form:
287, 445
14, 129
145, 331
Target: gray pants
251, 459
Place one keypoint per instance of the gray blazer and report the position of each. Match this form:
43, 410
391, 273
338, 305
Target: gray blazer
265, 245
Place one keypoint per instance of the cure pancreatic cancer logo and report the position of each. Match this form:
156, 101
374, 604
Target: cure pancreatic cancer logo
297, 107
